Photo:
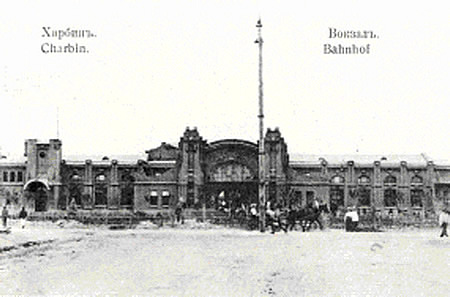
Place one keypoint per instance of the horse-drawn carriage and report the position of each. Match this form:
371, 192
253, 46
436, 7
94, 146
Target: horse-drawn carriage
289, 219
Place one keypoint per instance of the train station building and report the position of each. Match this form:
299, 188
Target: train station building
207, 175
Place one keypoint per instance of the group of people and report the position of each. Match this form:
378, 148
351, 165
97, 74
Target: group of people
279, 218
5, 215
351, 220
274, 217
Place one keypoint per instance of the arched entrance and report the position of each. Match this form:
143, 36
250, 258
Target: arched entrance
230, 195
231, 174
37, 192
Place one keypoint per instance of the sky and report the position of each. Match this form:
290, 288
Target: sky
157, 67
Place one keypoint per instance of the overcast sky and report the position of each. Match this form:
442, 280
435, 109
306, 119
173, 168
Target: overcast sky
157, 67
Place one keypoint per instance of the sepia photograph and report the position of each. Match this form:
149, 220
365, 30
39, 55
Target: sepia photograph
224, 148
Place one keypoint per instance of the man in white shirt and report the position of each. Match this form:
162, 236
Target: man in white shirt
351, 220
444, 219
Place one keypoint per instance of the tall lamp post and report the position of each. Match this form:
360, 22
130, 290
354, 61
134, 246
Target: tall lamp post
261, 171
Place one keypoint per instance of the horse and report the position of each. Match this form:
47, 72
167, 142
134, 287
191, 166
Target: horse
306, 217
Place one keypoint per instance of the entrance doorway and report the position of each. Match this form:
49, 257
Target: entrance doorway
37, 192
230, 194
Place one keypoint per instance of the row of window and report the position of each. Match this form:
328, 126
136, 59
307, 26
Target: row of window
12, 176
364, 179
100, 178
362, 195
74, 191
391, 197
155, 199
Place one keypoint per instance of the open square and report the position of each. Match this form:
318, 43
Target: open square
230, 262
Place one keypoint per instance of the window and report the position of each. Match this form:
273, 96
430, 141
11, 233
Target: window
416, 180
12, 176
337, 179
364, 196
390, 180
75, 192
75, 188
153, 198
390, 197
5, 176
272, 192
100, 178
127, 190
336, 198
100, 190
190, 193
416, 198
20, 176
297, 198
75, 178
309, 197
364, 180
165, 198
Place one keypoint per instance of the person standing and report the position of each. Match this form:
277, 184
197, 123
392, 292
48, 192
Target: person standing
5, 217
253, 222
355, 219
270, 217
315, 204
179, 211
351, 220
22, 216
443, 222
72, 209
278, 214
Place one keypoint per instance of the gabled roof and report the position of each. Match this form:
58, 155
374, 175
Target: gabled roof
165, 151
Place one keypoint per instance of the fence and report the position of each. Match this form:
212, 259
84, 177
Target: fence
367, 219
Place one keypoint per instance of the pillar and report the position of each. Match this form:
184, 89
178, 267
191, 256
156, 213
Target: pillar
88, 186
114, 190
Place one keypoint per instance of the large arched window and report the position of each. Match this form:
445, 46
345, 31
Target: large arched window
75, 188
417, 193
363, 192
231, 172
336, 193
390, 191
101, 190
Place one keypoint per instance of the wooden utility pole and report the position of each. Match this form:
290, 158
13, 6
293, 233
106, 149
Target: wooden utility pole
261, 153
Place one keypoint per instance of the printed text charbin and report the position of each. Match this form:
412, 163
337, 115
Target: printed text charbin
62, 41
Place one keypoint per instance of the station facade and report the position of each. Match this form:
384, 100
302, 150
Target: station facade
208, 175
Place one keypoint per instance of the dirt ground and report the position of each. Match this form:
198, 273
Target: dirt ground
229, 262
